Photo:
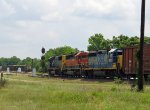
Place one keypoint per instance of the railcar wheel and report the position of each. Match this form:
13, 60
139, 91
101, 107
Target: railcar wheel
90, 74
128, 77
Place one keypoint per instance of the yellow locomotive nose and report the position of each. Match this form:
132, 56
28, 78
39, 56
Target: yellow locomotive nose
119, 60
114, 66
63, 59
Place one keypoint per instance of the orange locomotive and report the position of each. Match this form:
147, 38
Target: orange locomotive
71, 65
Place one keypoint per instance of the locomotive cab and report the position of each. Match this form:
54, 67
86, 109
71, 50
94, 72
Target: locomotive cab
82, 58
51, 62
115, 57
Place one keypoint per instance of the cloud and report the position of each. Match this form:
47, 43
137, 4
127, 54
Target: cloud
27, 25
52, 17
121, 9
6, 9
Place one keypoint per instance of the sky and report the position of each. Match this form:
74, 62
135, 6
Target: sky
28, 25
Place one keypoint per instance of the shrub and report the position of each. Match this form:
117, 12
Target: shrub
118, 80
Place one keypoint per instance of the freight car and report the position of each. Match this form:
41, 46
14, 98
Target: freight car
130, 61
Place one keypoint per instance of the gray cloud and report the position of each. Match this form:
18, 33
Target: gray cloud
27, 25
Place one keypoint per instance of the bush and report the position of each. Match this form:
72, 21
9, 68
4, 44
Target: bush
118, 80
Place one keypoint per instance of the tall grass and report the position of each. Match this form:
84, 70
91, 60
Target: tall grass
2, 80
28, 93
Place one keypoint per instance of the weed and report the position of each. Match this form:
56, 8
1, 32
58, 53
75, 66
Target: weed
113, 89
3, 82
118, 80
134, 85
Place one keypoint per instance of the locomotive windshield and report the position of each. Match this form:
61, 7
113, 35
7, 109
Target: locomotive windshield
92, 54
70, 57
113, 54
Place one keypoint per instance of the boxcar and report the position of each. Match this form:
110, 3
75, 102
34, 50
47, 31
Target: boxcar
130, 62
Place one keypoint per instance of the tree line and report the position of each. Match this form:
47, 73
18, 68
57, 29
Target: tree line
98, 42
4, 62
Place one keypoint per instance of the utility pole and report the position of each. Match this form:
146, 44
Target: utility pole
141, 67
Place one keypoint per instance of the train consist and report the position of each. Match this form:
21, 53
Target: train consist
102, 63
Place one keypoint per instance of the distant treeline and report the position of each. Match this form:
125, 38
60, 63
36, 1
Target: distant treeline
4, 62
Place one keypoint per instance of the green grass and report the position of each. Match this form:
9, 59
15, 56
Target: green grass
27, 93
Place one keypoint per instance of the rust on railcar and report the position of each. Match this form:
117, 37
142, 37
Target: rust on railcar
130, 63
